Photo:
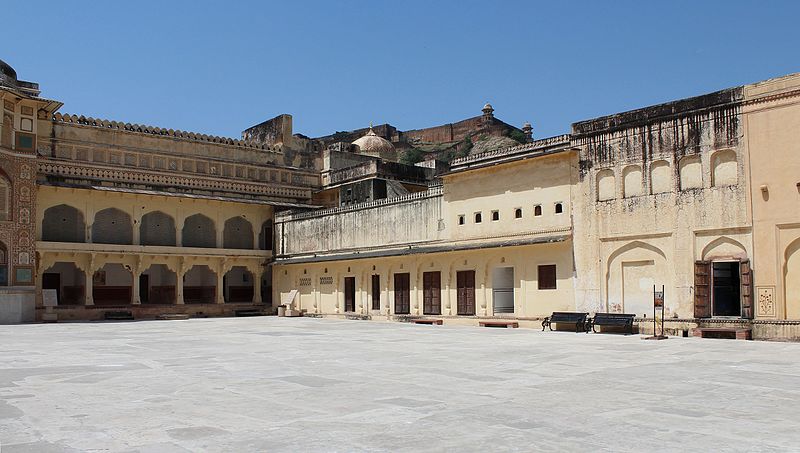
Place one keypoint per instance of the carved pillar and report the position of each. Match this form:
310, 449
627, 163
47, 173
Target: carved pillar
135, 300
89, 279
222, 269
258, 274
180, 271
136, 272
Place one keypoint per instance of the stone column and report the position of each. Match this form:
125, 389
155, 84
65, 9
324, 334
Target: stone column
180, 271
220, 299
89, 277
87, 288
135, 299
179, 287
257, 276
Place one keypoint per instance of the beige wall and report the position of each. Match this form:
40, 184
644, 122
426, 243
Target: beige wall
321, 285
542, 181
772, 122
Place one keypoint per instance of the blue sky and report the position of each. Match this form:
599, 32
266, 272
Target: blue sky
220, 67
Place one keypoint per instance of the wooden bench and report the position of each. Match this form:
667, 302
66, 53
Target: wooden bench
624, 320
433, 322
567, 317
738, 333
118, 315
506, 324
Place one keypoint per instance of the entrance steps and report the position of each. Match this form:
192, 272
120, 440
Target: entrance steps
733, 333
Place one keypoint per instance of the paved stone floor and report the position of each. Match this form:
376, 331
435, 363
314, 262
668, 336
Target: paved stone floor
281, 384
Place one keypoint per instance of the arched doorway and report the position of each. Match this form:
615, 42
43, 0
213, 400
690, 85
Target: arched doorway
68, 281
238, 234
633, 271
112, 226
112, 285
238, 285
157, 285
200, 285
157, 228
63, 223
199, 231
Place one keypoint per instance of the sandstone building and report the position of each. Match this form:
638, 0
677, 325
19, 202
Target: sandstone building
700, 195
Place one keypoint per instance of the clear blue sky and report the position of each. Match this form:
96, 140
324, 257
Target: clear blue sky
220, 67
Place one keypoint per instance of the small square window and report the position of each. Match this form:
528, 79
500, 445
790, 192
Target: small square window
462, 219
547, 276
559, 208
478, 217
537, 210
495, 216
518, 213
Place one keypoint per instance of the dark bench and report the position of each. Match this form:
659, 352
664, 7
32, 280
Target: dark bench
506, 324
434, 322
623, 320
120, 315
567, 317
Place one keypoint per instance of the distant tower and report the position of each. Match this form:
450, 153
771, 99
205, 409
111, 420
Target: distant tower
527, 129
488, 112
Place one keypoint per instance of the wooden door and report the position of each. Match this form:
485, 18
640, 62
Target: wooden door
376, 292
432, 293
350, 294
465, 284
702, 285
746, 280
402, 300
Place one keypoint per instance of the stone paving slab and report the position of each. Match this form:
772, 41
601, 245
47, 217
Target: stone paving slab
300, 384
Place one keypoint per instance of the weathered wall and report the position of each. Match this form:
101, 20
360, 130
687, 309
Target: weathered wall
409, 219
81, 151
772, 131
647, 204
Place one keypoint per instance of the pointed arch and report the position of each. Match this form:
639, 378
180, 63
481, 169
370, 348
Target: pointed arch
63, 223
112, 226
723, 247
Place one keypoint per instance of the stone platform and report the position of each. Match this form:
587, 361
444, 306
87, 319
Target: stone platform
301, 384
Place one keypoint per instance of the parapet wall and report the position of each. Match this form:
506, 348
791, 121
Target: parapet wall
408, 219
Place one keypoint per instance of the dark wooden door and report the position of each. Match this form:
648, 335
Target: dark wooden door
51, 280
350, 294
376, 292
402, 300
702, 293
432, 293
465, 284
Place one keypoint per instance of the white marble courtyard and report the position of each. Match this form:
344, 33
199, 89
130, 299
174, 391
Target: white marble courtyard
281, 384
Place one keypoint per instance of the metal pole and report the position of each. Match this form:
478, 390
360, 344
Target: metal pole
663, 309
655, 327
